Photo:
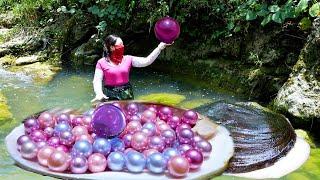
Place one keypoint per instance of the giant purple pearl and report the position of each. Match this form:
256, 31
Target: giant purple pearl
167, 30
31, 124
108, 120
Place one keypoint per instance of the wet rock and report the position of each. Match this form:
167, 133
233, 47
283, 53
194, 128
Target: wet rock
40, 72
27, 60
261, 137
300, 95
164, 98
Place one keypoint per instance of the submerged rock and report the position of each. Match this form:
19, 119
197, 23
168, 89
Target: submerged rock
261, 137
163, 98
5, 114
194, 103
300, 95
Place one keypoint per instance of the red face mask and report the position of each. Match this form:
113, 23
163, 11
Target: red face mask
117, 55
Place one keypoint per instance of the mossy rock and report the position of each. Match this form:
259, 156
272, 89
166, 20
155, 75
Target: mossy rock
7, 60
164, 98
306, 136
194, 103
5, 114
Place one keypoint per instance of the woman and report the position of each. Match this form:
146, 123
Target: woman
114, 68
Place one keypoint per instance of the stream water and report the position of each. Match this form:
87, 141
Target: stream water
74, 90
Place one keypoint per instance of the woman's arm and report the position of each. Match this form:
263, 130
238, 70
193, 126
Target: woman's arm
146, 61
97, 85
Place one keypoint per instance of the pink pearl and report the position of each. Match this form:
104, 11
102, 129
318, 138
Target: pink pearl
156, 142
139, 141
79, 130
53, 141
174, 121
159, 122
182, 126
128, 150
148, 116
190, 117
46, 120
58, 161
184, 147
38, 135
86, 137
44, 154
48, 131
133, 127
97, 162
62, 148
132, 108
165, 113
178, 166
194, 157
77, 121
196, 139
148, 152
41, 144
152, 108
169, 136
87, 123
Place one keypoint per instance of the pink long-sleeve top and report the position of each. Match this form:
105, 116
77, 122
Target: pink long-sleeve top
115, 75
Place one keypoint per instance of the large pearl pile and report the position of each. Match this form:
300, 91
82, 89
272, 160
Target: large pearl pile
155, 138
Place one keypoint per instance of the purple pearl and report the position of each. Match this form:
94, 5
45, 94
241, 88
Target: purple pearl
67, 138
165, 113
205, 147
41, 144
156, 142
63, 118
196, 139
169, 136
182, 126
127, 140
38, 135
174, 121
190, 117
48, 131
135, 117
184, 147
53, 141
77, 121
31, 124
60, 128
79, 165
185, 136
132, 108
21, 140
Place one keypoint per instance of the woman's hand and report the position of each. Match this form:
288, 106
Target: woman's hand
99, 97
163, 45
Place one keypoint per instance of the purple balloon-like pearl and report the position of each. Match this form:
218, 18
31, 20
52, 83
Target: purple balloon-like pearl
174, 121
156, 142
205, 147
185, 135
169, 136
79, 165
184, 147
190, 117
167, 30
165, 113
53, 141
31, 124
38, 135
21, 140
63, 118
132, 108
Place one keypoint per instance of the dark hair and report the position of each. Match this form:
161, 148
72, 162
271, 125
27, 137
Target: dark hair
108, 42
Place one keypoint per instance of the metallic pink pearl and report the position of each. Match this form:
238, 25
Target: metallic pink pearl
205, 147
148, 152
185, 135
190, 117
62, 148
174, 121
22, 139
182, 126
77, 121
97, 162
46, 120
194, 157
31, 124
67, 138
62, 118
44, 154
139, 141
132, 108
41, 144
148, 116
53, 141
156, 142
169, 136
196, 139
79, 165
87, 122
79, 130
38, 135
135, 117
48, 131
29, 150
165, 113
133, 127
86, 137
178, 166
163, 127
58, 161
159, 122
